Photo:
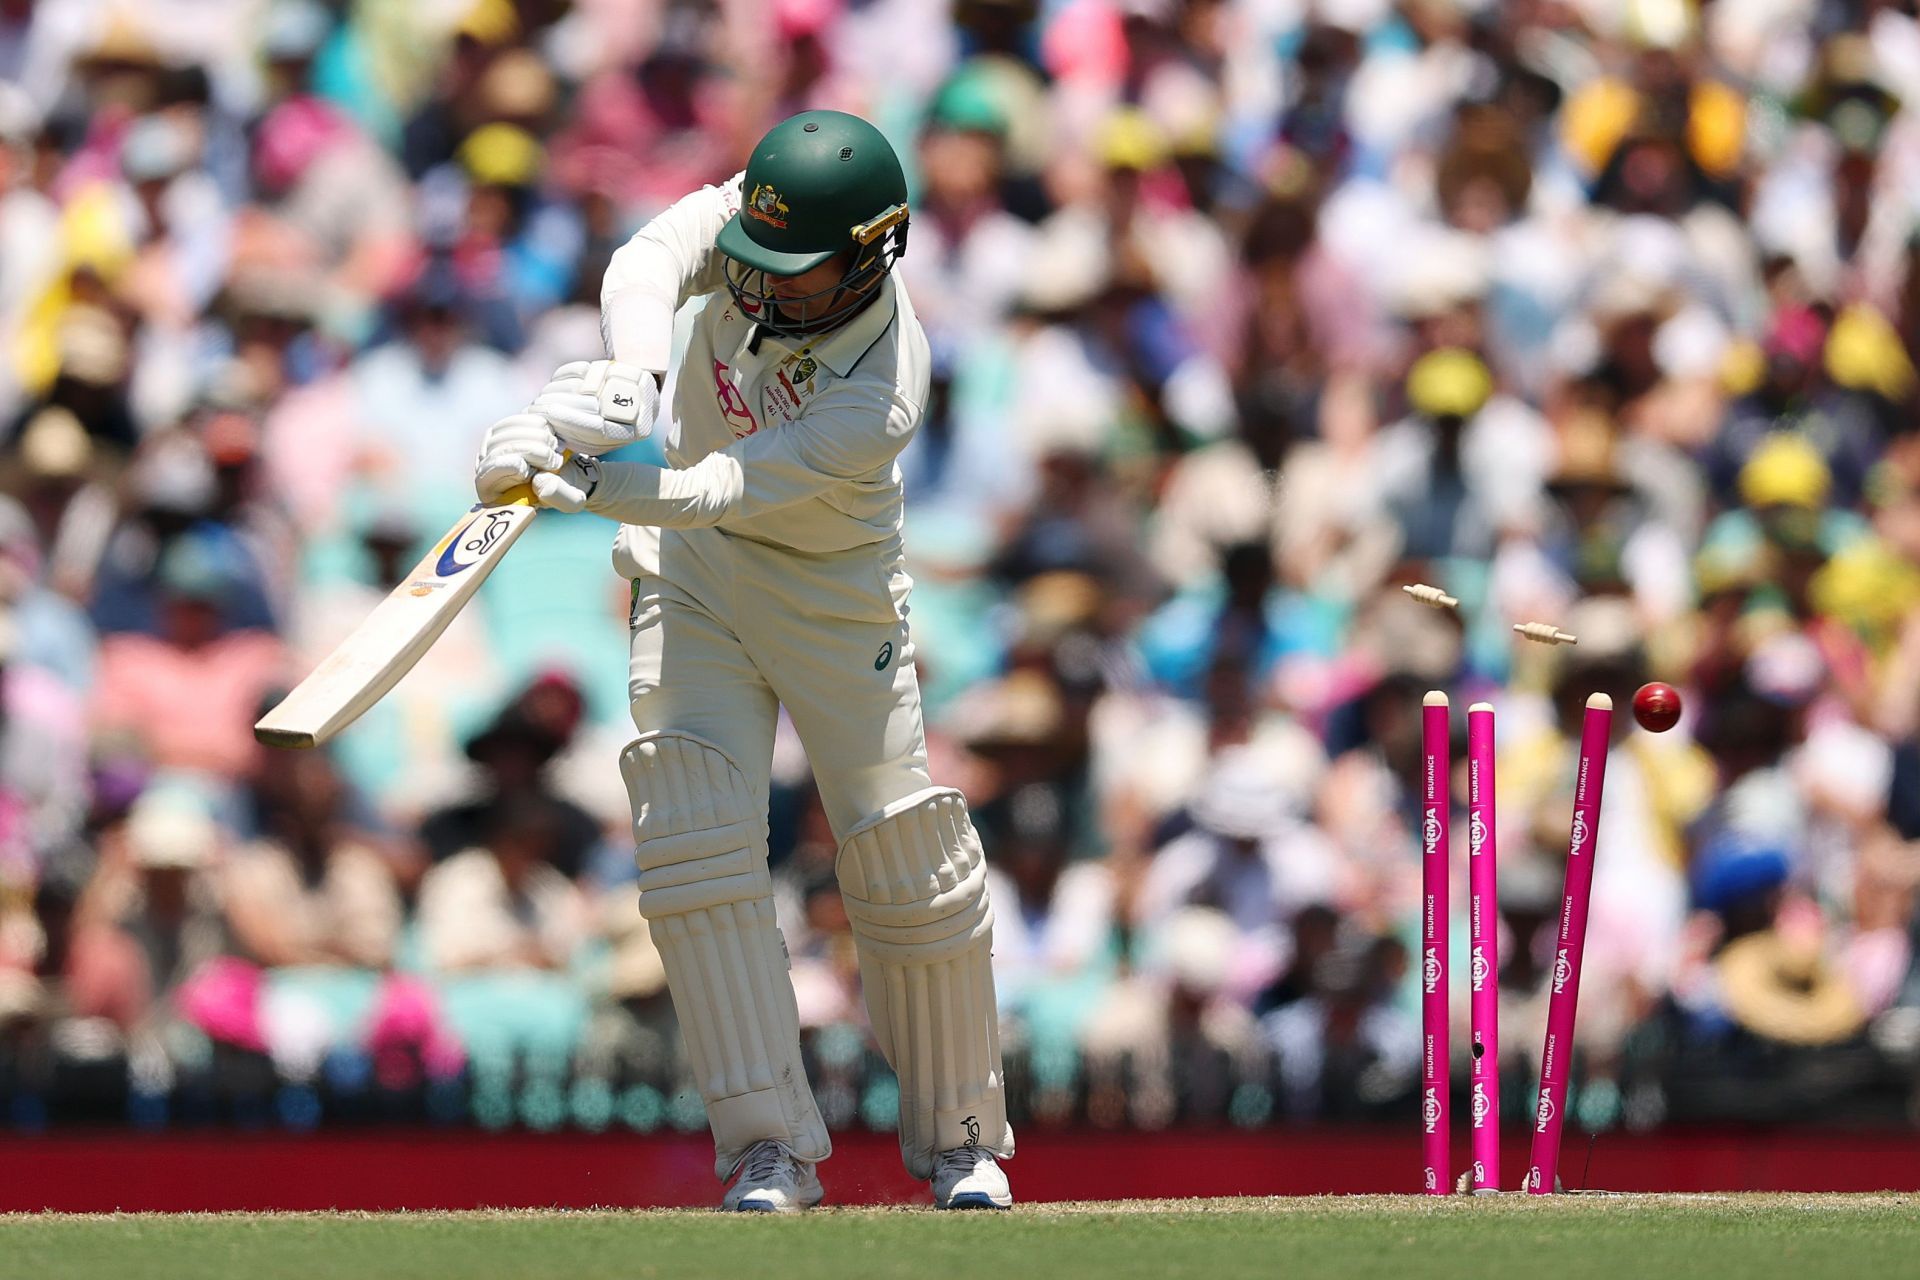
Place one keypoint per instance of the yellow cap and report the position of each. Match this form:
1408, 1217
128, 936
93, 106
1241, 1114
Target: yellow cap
1743, 368
1864, 352
490, 22
502, 155
1868, 585
1451, 382
1131, 140
1785, 471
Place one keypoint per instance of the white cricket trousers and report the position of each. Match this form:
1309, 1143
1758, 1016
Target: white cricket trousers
725, 631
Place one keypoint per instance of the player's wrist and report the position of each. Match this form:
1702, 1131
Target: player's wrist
590, 474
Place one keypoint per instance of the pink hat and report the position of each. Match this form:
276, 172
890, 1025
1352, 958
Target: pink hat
1797, 333
294, 135
798, 18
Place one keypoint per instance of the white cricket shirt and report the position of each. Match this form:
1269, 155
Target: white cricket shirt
787, 442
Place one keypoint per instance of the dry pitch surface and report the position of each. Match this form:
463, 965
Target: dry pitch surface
1699, 1237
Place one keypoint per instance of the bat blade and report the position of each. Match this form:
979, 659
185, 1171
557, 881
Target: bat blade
399, 631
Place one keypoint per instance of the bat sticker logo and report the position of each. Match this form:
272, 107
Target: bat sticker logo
468, 545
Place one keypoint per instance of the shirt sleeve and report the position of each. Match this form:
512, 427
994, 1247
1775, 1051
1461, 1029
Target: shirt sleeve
851, 433
668, 261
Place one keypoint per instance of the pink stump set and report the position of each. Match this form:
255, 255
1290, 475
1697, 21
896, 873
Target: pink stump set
1436, 769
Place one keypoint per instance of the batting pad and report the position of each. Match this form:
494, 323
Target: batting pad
914, 881
700, 839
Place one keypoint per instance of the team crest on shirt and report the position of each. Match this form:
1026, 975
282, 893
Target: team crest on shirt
794, 382
766, 205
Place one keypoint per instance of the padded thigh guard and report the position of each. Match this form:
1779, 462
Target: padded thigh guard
914, 881
700, 839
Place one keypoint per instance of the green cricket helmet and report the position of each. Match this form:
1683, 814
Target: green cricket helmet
820, 183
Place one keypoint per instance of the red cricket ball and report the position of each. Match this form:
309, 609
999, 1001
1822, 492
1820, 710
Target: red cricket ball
1656, 706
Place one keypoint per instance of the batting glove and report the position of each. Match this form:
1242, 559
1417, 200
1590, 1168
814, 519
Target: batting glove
568, 486
599, 405
513, 449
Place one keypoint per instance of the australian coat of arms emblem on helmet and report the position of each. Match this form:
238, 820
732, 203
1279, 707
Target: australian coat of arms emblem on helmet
766, 205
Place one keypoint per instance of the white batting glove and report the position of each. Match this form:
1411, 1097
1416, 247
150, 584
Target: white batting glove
596, 406
513, 449
568, 486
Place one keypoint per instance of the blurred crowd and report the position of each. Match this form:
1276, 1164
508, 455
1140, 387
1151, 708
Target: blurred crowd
1245, 313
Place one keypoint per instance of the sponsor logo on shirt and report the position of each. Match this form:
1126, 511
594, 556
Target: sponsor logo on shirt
733, 405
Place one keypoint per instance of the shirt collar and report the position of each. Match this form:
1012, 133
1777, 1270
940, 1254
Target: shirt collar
842, 348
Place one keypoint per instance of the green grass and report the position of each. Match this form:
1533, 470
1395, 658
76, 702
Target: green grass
1397, 1237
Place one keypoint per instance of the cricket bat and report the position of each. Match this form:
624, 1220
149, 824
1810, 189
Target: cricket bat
401, 628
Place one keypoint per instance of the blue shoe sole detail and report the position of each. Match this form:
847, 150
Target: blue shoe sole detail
975, 1200
761, 1206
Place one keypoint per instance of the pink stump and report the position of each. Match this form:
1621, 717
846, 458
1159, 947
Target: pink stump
1435, 774
1484, 901
1556, 1056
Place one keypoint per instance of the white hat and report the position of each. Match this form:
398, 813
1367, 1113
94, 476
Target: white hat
1241, 800
1195, 948
18, 116
171, 826
156, 147
1445, 270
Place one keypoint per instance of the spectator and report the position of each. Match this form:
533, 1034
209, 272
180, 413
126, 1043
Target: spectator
186, 697
501, 905
1054, 921
1344, 1047
513, 753
43, 758
1169, 1043
414, 397
147, 930
312, 891
1246, 857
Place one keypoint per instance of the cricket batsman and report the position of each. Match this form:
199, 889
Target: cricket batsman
767, 571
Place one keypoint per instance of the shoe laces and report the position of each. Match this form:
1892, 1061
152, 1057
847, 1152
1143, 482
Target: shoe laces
960, 1160
765, 1161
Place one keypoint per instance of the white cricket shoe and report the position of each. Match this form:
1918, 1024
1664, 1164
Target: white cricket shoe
773, 1180
970, 1178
